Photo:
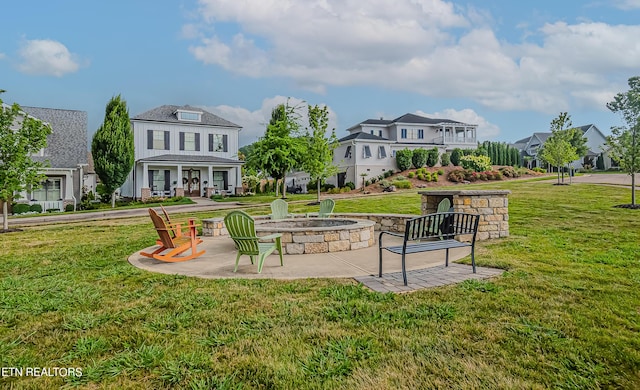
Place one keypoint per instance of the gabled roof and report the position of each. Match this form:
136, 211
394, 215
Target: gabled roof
406, 118
363, 136
167, 113
67, 143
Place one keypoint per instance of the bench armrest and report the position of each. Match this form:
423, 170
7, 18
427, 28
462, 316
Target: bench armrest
389, 233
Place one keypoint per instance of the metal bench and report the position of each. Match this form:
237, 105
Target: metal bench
433, 232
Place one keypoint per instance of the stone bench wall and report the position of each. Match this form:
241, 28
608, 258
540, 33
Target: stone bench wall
491, 205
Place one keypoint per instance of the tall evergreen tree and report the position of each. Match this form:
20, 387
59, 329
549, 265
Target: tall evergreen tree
21, 136
112, 147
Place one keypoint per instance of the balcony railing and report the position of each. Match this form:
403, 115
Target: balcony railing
453, 140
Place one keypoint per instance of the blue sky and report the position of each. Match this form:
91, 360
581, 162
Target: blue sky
508, 66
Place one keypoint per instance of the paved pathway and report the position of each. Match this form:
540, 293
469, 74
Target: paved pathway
620, 179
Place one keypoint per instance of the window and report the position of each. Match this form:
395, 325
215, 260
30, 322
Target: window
159, 180
412, 134
372, 132
382, 152
367, 151
190, 141
347, 154
191, 116
379, 133
403, 133
50, 189
420, 134
220, 180
157, 140
218, 142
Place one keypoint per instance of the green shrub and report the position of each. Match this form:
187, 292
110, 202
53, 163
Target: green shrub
457, 176
509, 172
326, 187
419, 158
427, 176
68, 208
476, 163
432, 157
445, 159
440, 172
21, 208
456, 154
35, 208
406, 184
385, 183
420, 176
538, 169
434, 177
388, 173
404, 159
411, 175
350, 184
400, 177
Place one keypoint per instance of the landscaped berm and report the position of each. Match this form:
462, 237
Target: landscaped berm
565, 312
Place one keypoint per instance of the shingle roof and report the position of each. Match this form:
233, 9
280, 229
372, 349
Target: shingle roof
362, 135
67, 143
413, 118
192, 159
167, 113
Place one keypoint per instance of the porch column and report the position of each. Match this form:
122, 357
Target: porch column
209, 188
179, 185
145, 190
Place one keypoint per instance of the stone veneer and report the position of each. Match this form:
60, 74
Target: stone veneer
491, 205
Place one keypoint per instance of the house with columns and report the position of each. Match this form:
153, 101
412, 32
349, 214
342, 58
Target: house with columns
370, 148
183, 151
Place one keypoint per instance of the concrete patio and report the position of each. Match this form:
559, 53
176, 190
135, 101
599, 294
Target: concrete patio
424, 270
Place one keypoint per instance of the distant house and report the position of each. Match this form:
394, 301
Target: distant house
529, 148
70, 169
371, 146
183, 151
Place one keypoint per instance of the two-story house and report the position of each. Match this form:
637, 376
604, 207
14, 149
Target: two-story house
529, 148
183, 151
370, 148
69, 169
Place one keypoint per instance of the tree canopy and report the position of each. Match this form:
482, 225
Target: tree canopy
558, 149
21, 136
318, 148
624, 142
112, 147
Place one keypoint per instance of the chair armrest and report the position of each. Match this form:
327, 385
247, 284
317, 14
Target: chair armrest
307, 215
271, 236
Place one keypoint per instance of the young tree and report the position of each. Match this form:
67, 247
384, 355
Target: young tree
279, 151
112, 147
624, 141
558, 151
318, 161
21, 136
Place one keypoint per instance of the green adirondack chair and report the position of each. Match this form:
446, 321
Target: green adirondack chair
279, 209
326, 208
443, 207
242, 229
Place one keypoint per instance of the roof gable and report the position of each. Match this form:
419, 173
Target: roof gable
167, 113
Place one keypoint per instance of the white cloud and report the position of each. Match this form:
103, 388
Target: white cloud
254, 123
486, 129
627, 4
47, 57
426, 46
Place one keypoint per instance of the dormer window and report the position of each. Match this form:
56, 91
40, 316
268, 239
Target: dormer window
189, 116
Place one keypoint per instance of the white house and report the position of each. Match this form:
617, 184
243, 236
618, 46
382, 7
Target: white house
371, 146
69, 170
596, 146
183, 151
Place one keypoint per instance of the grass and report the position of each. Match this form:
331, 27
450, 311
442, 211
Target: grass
566, 314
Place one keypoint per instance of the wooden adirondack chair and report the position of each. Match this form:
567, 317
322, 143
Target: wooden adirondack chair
172, 226
326, 209
174, 245
242, 230
279, 209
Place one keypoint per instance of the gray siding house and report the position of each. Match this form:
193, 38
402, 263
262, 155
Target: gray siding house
70, 170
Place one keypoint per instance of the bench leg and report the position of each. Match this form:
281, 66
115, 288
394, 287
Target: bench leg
473, 259
446, 259
404, 269
379, 262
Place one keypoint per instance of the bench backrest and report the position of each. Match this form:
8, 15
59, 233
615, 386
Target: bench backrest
445, 225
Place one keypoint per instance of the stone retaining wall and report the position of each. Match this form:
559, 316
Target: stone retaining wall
491, 205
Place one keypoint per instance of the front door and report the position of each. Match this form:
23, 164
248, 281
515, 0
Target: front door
191, 182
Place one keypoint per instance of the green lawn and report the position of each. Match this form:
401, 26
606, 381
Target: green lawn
566, 314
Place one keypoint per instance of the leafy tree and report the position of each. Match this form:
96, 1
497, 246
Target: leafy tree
318, 152
21, 136
624, 141
112, 147
432, 157
557, 151
419, 158
403, 159
279, 151
455, 156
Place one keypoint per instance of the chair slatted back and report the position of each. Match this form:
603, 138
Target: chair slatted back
444, 205
161, 228
326, 207
242, 229
279, 209
448, 225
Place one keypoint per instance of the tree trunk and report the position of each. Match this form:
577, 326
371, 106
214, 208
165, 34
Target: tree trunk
318, 190
633, 190
113, 200
558, 175
5, 215
284, 187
